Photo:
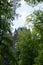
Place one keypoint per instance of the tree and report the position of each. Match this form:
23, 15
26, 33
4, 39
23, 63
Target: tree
38, 25
26, 48
6, 38
37, 20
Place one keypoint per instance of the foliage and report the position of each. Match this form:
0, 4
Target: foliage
29, 47
26, 48
39, 58
37, 20
6, 38
33, 2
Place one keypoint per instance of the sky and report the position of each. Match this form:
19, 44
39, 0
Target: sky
24, 10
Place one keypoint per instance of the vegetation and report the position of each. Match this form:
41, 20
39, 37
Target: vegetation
37, 20
6, 38
33, 2
26, 46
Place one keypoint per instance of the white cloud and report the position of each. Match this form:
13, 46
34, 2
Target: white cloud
24, 11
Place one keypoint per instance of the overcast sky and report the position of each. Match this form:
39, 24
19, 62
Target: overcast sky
24, 11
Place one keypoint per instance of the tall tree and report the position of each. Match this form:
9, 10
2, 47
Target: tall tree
37, 20
26, 48
6, 38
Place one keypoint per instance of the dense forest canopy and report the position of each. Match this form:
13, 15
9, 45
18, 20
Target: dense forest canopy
25, 47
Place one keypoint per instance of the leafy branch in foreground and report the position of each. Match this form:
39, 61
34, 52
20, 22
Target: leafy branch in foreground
33, 2
6, 38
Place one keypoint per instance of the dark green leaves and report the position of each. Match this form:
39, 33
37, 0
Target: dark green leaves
33, 2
